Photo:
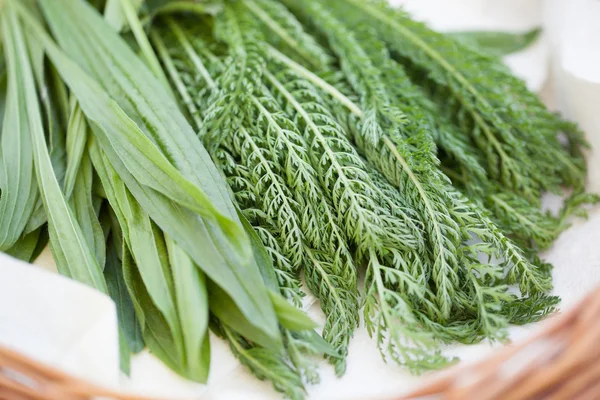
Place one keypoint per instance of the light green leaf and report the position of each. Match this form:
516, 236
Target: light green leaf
192, 235
155, 329
227, 312
499, 43
261, 256
124, 353
52, 93
114, 13
192, 304
289, 316
77, 133
18, 186
156, 113
72, 255
130, 11
24, 248
148, 248
83, 209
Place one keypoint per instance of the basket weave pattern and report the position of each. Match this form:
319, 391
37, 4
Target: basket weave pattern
561, 362
22, 378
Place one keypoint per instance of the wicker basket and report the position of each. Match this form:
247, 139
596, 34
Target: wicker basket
561, 362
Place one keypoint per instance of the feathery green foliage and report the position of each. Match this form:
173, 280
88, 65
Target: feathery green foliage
501, 122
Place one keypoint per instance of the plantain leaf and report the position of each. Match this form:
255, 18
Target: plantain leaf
192, 362
190, 233
24, 248
289, 317
148, 248
141, 120
2, 88
52, 93
192, 303
83, 209
155, 329
130, 330
41, 244
499, 43
114, 13
18, 187
29, 247
261, 256
124, 352
223, 307
72, 255
171, 281
77, 133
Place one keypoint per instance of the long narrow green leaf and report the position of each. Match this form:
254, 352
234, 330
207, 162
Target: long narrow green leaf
72, 255
192, 303
53, 96
118, 291
130, 333
114, 14
136, 27
156, 330
24, 248
140, 153
498, 43
83, 209
17, 180
103, 54
77, 133
2, 89
148, 248
191, 234
124, 352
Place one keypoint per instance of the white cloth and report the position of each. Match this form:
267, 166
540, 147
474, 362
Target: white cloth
68, 325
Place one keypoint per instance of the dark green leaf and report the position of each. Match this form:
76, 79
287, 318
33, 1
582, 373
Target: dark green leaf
128, 323
83, 209
24, 248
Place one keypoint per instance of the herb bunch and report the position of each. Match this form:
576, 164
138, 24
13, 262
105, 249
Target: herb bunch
342, 113
256, 150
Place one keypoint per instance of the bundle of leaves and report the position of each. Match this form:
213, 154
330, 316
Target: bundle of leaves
254, 150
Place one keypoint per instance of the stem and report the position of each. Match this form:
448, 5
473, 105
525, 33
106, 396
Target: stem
278, 30
189, 49
172, 71
243, 353
300, 70
519, 216
144, 43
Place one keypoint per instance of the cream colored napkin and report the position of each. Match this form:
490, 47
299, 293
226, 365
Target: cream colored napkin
577, 76
58, 321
